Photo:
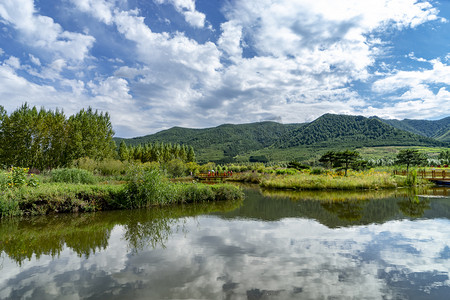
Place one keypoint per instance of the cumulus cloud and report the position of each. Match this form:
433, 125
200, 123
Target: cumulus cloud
42, 32
187, 9
284, 59
420, 95
101, 9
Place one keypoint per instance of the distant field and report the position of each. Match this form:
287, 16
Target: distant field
312, 155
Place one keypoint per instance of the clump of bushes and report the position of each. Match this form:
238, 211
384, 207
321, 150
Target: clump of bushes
73, 175
147, 187
17, 177
106, 167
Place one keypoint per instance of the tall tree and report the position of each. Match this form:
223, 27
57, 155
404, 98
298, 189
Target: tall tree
410, 157
46, 139
328, 159
123, 151
190, 155
346, 158
90, 135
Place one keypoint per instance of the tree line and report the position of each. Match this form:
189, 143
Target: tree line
42, 139
47, 139
159, 152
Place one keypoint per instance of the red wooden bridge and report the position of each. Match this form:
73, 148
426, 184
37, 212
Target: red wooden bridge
213, 176
437, 176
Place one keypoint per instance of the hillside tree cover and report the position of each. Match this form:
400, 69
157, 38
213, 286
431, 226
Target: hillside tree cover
45, 139
229, 143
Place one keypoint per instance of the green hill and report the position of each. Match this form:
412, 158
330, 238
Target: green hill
220, 143
226, 142
437, 129
351, 131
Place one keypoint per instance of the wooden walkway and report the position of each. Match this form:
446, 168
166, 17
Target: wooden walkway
213, 176
438, 176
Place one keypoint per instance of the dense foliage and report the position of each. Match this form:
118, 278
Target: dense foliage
158, 152
44, 139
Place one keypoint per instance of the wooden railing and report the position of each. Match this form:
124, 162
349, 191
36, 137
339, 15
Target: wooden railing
428, 174
215, 175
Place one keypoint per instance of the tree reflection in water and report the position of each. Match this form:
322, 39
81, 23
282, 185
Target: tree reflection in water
85, 234
414, 207
349, 210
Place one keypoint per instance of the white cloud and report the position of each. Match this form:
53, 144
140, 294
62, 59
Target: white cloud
230, 40
439, 74
417, 102
187, 9
43, 33
13, 62
286, 59
34, 60
100, 9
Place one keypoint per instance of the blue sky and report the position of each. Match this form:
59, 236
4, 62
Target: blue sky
155, 64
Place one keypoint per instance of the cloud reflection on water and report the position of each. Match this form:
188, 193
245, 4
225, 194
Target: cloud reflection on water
213, 258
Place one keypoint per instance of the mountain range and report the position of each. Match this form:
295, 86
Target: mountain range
226, 143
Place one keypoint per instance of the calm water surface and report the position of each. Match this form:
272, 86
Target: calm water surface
272, 245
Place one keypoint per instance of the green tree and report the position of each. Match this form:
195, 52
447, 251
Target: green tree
18, 135
190, 155
123, 151
346, 159
410, 157
444, 157
90, 135
328, 159
46, 139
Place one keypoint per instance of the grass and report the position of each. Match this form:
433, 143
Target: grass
329, 180
143, 188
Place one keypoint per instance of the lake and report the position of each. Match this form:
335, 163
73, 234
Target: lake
272, 245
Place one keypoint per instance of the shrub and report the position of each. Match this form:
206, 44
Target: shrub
145, 187
3, 180
73, 176
110, 167
317, 171
298, 166
176, 168
85, 163
8, 205
17, 177
411, 178
288, 171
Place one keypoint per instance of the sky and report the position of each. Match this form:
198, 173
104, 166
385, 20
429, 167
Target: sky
155, 64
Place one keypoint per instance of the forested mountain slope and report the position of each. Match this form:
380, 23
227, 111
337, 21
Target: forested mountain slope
224, 141
351, 131
437, 129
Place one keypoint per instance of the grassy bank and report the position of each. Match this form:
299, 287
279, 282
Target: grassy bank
329, 180
143, 188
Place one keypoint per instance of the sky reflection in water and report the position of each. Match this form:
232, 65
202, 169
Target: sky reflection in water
235, 255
